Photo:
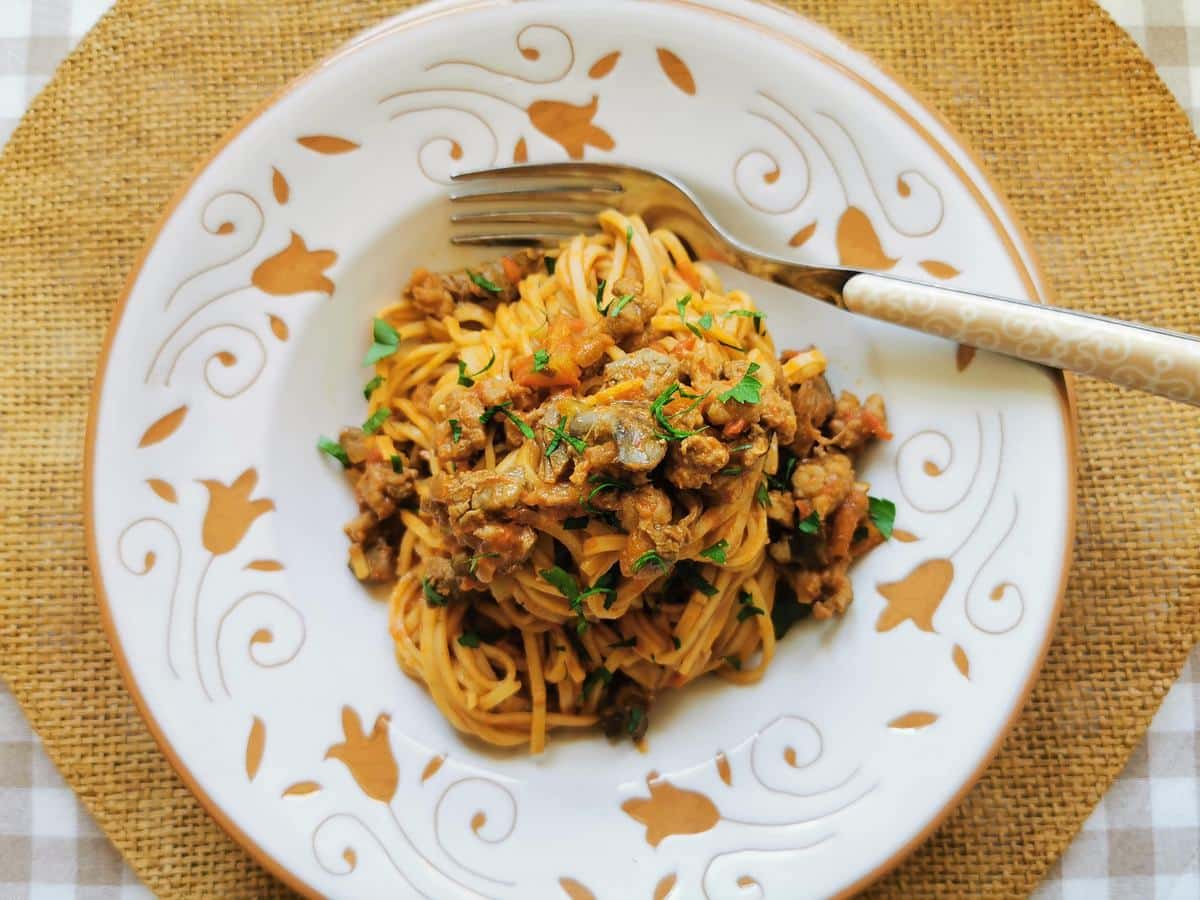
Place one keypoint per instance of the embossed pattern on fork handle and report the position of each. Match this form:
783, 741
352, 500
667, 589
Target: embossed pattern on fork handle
1153, 361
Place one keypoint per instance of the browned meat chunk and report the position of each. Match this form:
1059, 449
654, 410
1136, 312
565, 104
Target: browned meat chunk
823, 483
656, 371
436, 293
629, 426
380, 488
813, 402
854, 423
693, 461
645, 513
623, 712
475, 507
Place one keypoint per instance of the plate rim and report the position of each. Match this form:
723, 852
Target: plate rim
1013, 233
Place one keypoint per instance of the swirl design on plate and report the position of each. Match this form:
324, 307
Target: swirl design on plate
1004, 596
149, 559
481, 822
262, 647
531, 41
223, 216
937, 453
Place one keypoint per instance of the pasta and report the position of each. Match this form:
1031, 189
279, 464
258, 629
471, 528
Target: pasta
591, 478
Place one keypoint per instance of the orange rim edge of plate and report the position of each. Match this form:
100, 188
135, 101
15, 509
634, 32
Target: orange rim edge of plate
1063, 382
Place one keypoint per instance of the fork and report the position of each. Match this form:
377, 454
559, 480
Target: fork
541, 205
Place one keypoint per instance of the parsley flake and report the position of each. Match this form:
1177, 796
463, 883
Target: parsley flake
504, 410
749, 314
560, 434
883, 514
716, 552
700, 583
614, 308
483, 283
387, 342
469, 639
669, 431
600, 295
731, 470
635, 719
733, 662
551, 262
473, 562
810, 524
628, 235
541, 360
761, 495
376, 421
746, 599
397, 463
455, 430
334, 449
369, 387
681, 305
746, 390
676, 642
650, 556
432, 597
600, 675
468, 379
564, 582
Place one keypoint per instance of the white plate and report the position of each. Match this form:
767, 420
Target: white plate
266, 671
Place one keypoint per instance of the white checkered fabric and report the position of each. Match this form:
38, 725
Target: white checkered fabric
1142, 841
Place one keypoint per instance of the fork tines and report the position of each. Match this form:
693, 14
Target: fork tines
536, 205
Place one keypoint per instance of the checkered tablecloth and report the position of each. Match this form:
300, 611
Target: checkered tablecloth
1143, 840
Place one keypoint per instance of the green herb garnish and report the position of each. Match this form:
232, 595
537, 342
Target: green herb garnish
700, 583
551, 262
748, 608
628, 235
455, 430
669, 431
681, 305
635, 719
761, 495
397, 463
541, 360
504, 410
482, 282
564, 582
432, 597
574, 523
602, 484
733, 662
706, 321
675, 641
600, 295
746, 390
740, 447
473, 562
369, 387
716, 552
560, 434
749, 314
810, 524
731, 470
469, 639
596, 676
387, 342
650, 556
334, 449
377, 419
883, 514
614, 308
468, 380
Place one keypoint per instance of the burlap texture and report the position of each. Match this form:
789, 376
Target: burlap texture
1096, 157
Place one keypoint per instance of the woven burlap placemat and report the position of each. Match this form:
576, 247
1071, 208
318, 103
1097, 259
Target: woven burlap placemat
1096, 157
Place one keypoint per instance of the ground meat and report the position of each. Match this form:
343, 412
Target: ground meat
853, 424
356, 443
436, 293
381, 560
845, 522
362, 527
823, 483
476, 507
629, 426
464, 409
645, 514
776, 412
692, 462
813, 402
828, 591
380, 488
623, 710
656, 371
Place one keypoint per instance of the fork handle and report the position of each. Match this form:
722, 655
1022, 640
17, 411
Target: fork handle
1159, 362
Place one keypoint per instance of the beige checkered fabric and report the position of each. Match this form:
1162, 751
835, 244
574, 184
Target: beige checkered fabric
1143, 840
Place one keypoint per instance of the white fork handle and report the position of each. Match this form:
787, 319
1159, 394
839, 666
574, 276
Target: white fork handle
1158, 362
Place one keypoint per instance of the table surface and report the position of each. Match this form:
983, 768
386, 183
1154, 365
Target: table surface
1143, 840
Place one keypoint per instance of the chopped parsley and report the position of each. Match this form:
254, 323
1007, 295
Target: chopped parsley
600, 675
469, 639
614, 308
636, 714
784, 482
628, 235
564, 582
334, 449
483, 283
628, 642
541, 360
694, 579
746, 390
376, 421
551, 262
650, 556
748, 608
369, 387
387, 342
706, 321
504, 410
734, 662
473, 562
432, 597
761, 495
560, 434
603, 484
600, 295
749, 314
681, 305
468, 379
740, 447
455, 430
397, 463
810, 524
716, 552
670, 432
574, 523
731, 470
675, 641
786, 611
883, 514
